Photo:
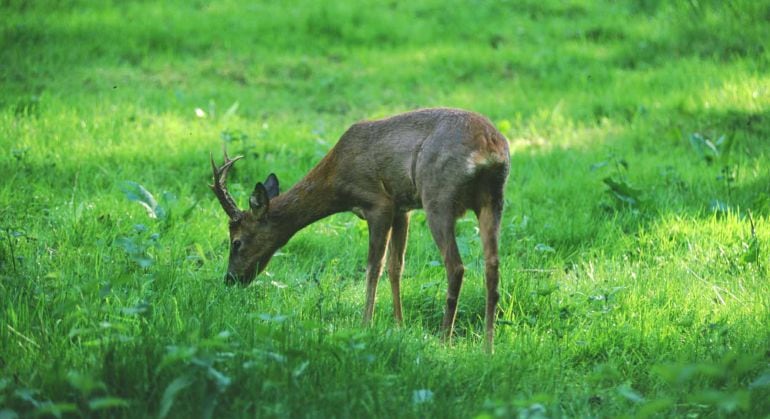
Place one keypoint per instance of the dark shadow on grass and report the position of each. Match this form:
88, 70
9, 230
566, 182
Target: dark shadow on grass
42, 53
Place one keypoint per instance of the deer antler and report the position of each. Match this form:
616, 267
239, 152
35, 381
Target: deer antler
220, 177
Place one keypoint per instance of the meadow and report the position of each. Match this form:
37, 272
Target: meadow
634, 249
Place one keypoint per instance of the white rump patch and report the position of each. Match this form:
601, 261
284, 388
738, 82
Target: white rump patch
478, 159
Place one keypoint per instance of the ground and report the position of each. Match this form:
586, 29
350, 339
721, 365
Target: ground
634, 248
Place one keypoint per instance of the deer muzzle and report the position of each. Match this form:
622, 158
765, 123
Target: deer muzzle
245, 278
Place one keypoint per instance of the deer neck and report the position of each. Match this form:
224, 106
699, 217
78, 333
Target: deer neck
310, 200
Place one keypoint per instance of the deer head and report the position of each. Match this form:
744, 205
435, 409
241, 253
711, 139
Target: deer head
252, 241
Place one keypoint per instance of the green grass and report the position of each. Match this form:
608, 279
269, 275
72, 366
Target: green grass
643, 295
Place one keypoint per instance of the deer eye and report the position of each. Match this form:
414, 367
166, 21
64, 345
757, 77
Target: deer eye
236, 244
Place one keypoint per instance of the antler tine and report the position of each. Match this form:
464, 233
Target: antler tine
224, 151
213, 168
220, 177
220, 173
228, 164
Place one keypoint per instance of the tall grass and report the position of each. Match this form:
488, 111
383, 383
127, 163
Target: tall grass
634, 246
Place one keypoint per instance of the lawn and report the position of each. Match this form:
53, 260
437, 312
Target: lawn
634, 248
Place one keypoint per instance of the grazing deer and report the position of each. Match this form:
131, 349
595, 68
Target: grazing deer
443, 160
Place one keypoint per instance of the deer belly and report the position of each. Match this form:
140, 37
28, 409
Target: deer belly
400, 206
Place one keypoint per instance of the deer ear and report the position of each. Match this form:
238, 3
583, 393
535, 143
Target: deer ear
259, 201
271, 185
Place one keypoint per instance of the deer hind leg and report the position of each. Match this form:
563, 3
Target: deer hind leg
380, 222
442, 226
489, 215
396, 250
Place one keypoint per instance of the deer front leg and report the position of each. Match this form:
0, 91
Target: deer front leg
379, 233
396, 250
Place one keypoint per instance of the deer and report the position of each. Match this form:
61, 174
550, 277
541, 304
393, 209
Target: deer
445, 161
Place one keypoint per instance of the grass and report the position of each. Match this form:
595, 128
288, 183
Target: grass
634, 246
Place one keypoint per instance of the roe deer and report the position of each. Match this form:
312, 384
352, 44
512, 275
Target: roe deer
443, 160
